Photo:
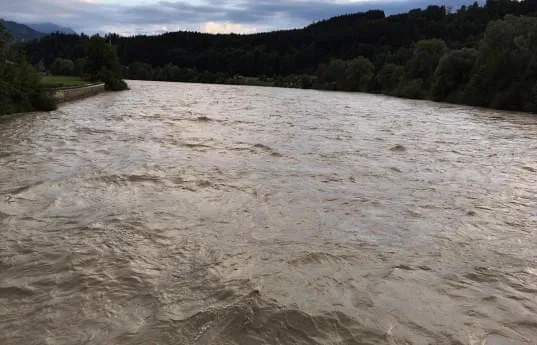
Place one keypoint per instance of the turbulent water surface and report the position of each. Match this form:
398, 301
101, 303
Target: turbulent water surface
198, 214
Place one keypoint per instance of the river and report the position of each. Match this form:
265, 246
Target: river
208, 214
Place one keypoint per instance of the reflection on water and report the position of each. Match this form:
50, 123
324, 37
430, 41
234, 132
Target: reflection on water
197, 214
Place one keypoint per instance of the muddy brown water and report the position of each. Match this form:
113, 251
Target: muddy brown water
208, 214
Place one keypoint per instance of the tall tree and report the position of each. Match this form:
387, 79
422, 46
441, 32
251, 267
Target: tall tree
452, 74
19, 82
102, 64
358, 74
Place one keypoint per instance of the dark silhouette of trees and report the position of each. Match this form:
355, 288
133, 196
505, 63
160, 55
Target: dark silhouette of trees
452, 74
20, 90
62, 67
478, 55
102, 64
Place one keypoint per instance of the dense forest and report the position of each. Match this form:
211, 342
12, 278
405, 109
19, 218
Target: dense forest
478, 55
19, 82
20, 87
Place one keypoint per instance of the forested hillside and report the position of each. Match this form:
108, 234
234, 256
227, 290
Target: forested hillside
21, 32
479, 55
21, 89
49, 28
19, 82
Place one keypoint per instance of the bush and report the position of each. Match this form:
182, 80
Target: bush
44, 102
116, 85
102, 64
62, 67
411, 89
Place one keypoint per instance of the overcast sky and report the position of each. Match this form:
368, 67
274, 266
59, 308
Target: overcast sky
216, 16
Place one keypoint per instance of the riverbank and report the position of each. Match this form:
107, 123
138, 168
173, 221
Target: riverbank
58, 81
67, 94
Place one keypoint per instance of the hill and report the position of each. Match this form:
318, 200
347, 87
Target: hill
371, 34
50, 28
21, 32
479, 55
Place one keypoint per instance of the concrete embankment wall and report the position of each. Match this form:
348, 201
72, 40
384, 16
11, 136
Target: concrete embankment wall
67, 94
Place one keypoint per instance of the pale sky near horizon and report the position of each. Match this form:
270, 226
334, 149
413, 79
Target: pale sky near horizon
129, 17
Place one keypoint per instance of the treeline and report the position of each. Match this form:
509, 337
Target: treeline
501, 73
101, 64
479, 55
20, 87
97, 61
20, 90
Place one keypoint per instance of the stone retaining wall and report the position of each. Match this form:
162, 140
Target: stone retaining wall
67, 94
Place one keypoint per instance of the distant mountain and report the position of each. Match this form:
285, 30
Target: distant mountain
50, 28
21, 32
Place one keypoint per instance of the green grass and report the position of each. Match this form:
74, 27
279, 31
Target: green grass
54, 81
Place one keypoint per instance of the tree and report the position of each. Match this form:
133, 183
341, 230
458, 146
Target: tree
333, 74
62, 67
493, 68
425, 59
358, 74
19, 82
80, 67
506, 68
389, 78
140, 71
452, 75
102, 64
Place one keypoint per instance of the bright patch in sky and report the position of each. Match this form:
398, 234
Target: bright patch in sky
226, 28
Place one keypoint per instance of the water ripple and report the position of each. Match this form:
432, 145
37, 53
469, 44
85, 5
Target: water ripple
206, 214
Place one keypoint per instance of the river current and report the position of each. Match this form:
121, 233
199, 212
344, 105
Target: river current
230, 215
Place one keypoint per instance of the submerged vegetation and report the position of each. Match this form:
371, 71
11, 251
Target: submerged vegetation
477, 55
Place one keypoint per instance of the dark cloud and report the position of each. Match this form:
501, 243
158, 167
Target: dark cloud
257, 12
92, 16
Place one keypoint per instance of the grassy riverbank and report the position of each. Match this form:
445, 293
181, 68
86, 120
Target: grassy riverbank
54, 81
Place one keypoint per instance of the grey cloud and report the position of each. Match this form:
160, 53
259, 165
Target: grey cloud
272, 14
73, 13
245, 12
257, 12
313, 10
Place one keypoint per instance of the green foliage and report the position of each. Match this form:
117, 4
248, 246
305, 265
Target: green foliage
45, 103
427, 54
19, 82
116, 85
50, 81
413, 88
140, 71
80, 67
477, 55
421, 67
452, 74
352, 75
62, 67
505, 72
333, 74
102, 64
389, 78
358, 74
